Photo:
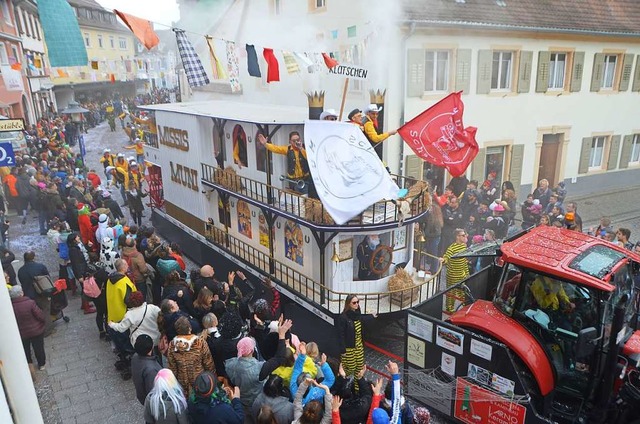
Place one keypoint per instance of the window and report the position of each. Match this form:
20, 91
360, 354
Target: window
87, 40
320, 3
112, 42
317, 5
4, 58
351, 31
14, 52
635, 149
494, 165
609, 74
35, 24
5, 11
557, 69
597, 152
25, 18
123, 43
501, 70
75, 11
100, 41
436, 70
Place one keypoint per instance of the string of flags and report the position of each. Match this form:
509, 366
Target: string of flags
294, 62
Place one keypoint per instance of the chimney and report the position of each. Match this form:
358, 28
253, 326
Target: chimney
316, 104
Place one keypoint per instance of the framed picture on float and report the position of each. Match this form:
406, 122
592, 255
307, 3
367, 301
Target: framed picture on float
345, 249
399, 238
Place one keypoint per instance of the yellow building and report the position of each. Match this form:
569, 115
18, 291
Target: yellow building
110, 49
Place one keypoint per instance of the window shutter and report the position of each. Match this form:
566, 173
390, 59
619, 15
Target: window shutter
542, 78
598, 69
415, 72
614, 152
627, 69
636, 76
413, 167
478, 166
625, 153
485, 59
576, 71
524, 71
463, 70
585, 153
515, 169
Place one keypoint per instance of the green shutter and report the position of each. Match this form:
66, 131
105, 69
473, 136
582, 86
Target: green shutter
625, 153
515, 169
485, 61
413, 167
477, 172
463, 70
415, 72
524, 71
542, 78
636, 76
585, 153
598, 69
614, 152
627, 69
576, 71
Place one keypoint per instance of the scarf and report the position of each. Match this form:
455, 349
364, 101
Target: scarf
354, 315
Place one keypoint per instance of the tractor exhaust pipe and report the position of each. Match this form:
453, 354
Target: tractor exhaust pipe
609, 369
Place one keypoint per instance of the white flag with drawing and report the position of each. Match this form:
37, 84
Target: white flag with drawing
348, 175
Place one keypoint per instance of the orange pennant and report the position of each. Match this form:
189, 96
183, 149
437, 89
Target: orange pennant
62, 73
329, 61
16, 66
141, 28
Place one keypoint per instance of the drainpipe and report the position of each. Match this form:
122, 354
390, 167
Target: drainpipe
16, 378
403, 46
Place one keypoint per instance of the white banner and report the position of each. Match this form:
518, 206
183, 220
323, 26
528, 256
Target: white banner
347, 172
349, 71
12, 79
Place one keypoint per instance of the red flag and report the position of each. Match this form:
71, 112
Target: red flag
438, 136
141, 28
273, 72
329, 61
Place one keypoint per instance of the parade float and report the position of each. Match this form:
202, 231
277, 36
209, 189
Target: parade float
228, 201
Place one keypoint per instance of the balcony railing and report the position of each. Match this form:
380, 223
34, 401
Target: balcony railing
312, 210
331, 300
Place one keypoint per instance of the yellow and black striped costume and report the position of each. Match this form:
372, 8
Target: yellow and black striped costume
353, 358
457, 270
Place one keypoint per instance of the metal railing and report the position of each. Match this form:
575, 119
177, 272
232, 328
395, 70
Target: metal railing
312, 210
313, 291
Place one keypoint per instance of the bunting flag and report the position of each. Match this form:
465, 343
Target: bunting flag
216, 64
65, 45
348, 175
329, 61
141, 28
94, 64
196, 75
233, 67
37, 62
273, 69
16, 66
290, 63
62, 73
112, 78
252, 61
438, 136
306, 62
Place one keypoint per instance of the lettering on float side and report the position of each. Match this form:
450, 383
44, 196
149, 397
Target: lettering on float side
174, 137
184, 175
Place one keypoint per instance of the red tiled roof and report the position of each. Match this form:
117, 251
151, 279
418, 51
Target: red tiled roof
619, 17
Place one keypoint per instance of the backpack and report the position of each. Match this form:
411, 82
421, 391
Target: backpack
63, 251
43, 285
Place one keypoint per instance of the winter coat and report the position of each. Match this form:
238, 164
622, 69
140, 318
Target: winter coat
171, 417
165, 266
29, 317
143, 372
52, 202
135, 201
244, 372
298, 402
315, 393
216, 412
7, 266
23, 186
185, 301
170, 320
114, 208
281, 407
143, 319
187, 357
119, 288
224, 349
137, 265
27, 273
78, 261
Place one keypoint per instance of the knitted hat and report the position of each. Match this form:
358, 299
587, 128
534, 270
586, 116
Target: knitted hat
421, 415
246, 345
380, 416
260, 306
230, 325
205, 384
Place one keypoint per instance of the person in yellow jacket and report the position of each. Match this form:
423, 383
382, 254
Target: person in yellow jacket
138, 146
297, 165
121, 162
550, 295
370, 125
118, 290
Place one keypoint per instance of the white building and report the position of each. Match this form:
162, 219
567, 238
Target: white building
553, 90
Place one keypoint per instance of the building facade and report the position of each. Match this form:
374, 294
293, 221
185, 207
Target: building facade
15, 98
111, 53
551, 90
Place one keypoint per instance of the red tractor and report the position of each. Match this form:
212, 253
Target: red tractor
546, 333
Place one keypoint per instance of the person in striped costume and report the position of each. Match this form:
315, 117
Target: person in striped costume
457, 268
349, 324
